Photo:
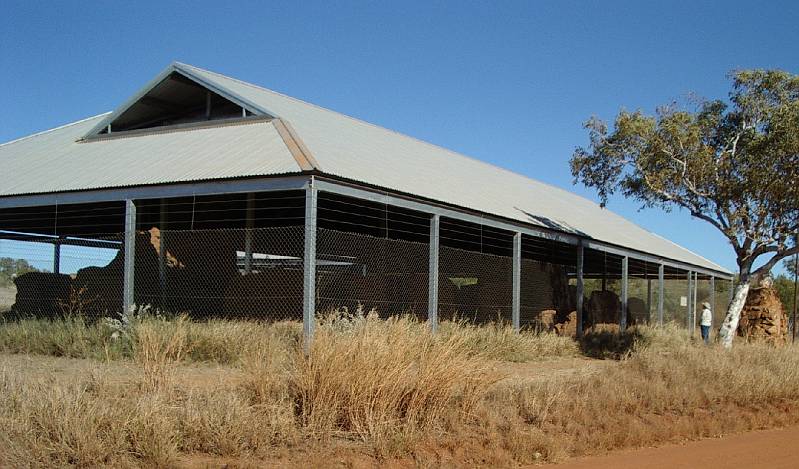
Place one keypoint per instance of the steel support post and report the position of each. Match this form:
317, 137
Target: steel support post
713, 294
128, 277
580, 290
432, 275
688, 320
57, 257
648, 299
694, 318
624, 271
517, 281
309, 269
162, 253
250, 223
661, 283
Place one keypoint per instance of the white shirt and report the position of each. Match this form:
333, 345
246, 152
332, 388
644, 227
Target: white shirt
707, 317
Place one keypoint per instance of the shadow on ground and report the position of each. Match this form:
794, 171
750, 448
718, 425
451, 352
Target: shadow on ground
609, 344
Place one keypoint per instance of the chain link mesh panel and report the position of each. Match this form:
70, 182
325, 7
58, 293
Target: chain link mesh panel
703, 295
223, 273
234, 274
475, 286
241, 257
675, 301
638, 302
546, 296
88, 282
18, 259
387, 275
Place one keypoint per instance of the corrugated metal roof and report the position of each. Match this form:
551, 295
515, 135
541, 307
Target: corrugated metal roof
357, 150
56, 161
343, 146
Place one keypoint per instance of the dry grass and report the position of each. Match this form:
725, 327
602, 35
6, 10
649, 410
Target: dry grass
498, 341
383, 389
215, 341
159, 345
386, 381
69, 337
665, 390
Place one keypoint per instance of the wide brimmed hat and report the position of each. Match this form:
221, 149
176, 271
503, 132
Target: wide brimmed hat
706, 305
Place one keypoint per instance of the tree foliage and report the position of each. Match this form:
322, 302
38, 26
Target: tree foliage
733, 164
11, 268
790, 266
784, 287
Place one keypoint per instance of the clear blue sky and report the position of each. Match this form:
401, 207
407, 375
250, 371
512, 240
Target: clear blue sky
506, 82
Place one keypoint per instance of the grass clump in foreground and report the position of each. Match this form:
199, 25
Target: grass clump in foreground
384, 388
218, 341
228, 342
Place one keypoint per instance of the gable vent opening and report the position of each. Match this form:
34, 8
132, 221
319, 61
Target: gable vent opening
176, 100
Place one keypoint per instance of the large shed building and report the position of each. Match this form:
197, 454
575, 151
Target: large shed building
220, 198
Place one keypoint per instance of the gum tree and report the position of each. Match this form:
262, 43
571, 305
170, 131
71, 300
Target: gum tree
790, 265
733, 164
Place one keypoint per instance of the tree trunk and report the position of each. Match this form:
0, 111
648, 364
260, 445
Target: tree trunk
730, 324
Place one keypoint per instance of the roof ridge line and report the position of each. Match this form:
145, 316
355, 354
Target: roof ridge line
371, 124
54, 129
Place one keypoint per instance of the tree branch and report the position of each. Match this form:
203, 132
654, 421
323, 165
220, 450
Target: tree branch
707, 218
766, 268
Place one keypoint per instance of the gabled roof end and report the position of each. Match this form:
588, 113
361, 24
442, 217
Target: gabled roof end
248, 107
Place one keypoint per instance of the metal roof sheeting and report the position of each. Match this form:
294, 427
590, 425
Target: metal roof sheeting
357, 150
343, 146
55, 161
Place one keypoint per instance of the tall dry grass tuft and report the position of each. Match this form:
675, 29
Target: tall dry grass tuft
666, 389
218, 341
224, 422
83, 423
46, 425
389, 384
68, 337
159, 345
498, 341
385, 381
227, 342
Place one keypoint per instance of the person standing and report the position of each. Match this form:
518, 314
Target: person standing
706, 322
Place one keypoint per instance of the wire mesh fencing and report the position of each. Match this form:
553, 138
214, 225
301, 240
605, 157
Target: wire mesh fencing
675, 301
231, 274
475, 286
24, 259
66, 277
546, 295
639, 302
222, 273
371, 273
257, 273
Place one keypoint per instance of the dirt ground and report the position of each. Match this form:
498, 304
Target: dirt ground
773, 449
119, 372
553, 368
762, 449
213, 375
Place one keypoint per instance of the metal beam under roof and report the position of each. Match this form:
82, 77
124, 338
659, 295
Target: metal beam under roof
158, 191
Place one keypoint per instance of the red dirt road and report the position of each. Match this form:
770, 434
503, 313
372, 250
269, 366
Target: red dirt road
773, 449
